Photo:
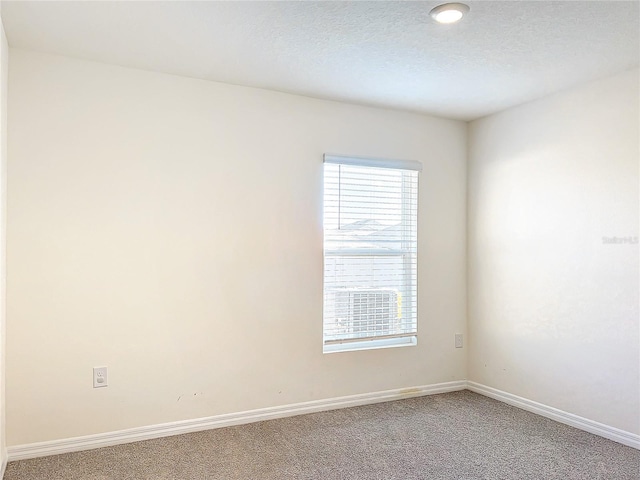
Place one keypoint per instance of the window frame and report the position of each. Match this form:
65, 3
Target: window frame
408, 338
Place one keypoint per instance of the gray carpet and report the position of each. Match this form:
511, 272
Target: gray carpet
458, 435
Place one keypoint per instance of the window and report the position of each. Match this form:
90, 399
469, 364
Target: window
370, 253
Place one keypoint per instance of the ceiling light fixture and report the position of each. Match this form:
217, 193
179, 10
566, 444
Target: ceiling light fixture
449, 12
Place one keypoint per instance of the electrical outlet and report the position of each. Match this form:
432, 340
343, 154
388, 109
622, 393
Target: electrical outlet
458, 340
100, 377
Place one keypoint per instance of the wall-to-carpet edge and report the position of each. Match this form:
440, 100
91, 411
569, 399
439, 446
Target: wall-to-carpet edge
66, 445
606, 431
88, 442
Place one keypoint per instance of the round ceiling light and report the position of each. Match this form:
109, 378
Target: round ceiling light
449, 12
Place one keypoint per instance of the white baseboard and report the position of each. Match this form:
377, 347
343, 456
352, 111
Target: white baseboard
3, 464
54, 447
615, 434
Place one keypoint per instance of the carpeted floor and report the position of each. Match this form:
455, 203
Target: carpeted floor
458, 435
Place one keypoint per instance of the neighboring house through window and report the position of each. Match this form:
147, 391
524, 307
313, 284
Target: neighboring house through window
370, 253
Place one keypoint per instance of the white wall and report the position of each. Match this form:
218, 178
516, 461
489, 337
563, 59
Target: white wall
553, 312
4, 69
170, 228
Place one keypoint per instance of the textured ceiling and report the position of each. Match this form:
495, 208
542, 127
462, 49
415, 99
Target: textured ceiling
371, 52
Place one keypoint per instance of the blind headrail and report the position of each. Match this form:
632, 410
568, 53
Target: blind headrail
373, 162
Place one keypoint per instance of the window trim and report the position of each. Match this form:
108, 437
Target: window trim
354, 346
392, 340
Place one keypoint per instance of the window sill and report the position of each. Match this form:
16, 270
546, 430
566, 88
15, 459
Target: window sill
371, 345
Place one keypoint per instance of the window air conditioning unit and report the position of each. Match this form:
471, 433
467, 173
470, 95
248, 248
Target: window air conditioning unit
368, 312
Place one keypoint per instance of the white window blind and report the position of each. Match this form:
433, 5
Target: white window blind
370, 252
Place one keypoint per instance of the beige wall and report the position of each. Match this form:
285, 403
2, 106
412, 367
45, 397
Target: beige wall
553, 312
171, 229
4, 68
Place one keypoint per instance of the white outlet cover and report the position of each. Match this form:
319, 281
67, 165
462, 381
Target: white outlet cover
458, 340
100, 377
